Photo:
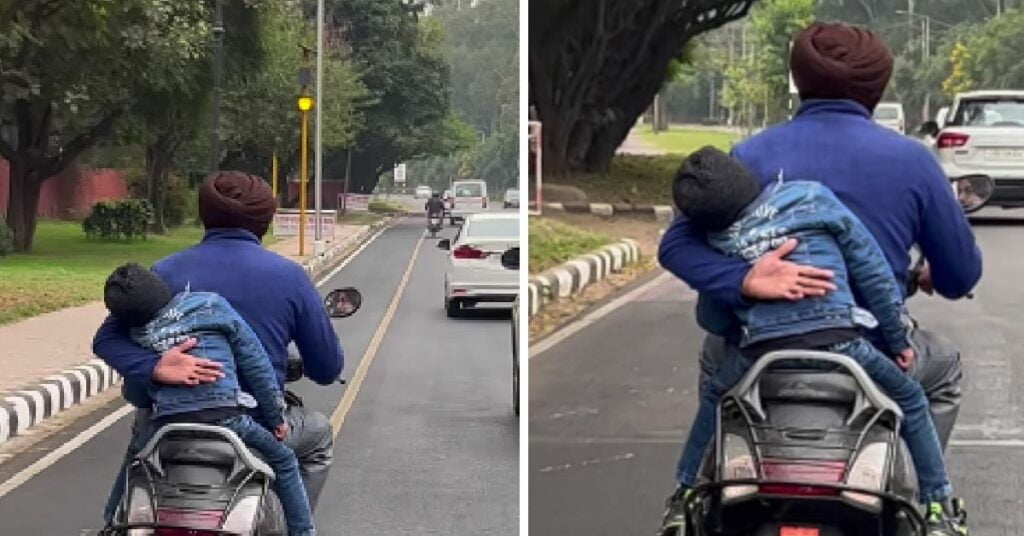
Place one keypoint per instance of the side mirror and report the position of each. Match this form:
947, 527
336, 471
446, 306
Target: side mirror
930, 129
444, 243
973, 191
343, 302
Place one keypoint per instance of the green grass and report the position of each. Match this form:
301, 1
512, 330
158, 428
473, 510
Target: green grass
553, 242
682, 141
66, 269
360, 218
630, 179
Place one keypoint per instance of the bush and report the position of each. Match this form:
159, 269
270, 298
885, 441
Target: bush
181, 203
127, 219
6, 239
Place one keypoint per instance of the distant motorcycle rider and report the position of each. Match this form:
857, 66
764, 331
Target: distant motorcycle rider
434, 205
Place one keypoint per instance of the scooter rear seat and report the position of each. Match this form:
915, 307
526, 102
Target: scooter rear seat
198, 451
794, 386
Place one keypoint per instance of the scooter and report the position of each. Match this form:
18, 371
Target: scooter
201, 480
434, 224
807, 445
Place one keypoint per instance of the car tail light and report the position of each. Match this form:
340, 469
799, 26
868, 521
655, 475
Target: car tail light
948, 140
738, 465
868, 472
197, 521
468, 252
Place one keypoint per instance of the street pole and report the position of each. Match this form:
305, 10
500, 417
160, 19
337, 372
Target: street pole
273, 174
303, 171
218, 75
317, 195
348, 174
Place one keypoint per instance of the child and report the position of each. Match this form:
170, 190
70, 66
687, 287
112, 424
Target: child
719, 194
138, 298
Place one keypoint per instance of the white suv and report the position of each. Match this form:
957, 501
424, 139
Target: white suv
984, 134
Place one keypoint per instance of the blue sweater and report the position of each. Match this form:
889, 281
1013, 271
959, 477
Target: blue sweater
892, 183
272, 294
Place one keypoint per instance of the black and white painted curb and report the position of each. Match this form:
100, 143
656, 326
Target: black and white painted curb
660, 212
23, 409
573, 276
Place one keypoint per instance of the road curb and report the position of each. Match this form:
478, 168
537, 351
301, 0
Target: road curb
27, 407
574, 275
660, 212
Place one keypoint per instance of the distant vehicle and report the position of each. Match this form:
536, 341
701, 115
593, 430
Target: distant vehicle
942, 116
475, 272
890, 115
511, 198
984, 135
423, 192
470, 197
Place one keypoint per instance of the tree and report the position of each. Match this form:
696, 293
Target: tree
69, 69
596, 66
399, 57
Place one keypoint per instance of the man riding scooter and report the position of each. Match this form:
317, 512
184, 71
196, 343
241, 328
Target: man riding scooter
893, 184
435, 213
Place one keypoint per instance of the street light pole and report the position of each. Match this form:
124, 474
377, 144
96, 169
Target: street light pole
218, 75
319, 235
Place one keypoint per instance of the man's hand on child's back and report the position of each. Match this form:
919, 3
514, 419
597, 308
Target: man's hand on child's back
281, 432
176, 367
772, 277
906, 359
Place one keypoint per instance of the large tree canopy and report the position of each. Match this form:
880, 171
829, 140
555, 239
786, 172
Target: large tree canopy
595, 66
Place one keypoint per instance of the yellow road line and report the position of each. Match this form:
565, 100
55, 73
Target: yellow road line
338, 417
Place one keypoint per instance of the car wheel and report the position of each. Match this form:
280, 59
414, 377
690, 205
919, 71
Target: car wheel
453, 308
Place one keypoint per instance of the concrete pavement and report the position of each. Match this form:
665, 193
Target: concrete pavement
430, 444
610, 404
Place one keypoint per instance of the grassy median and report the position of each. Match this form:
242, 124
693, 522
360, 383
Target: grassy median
682, 140
553, 242
66, 268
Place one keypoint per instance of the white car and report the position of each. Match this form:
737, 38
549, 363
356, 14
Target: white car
470, 197
474, 272
511, 198
423, 192
984, 134
890, 115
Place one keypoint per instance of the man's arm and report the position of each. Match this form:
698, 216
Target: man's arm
869, 270
113, 344
945, 237
253, 363
322, 358
685, 252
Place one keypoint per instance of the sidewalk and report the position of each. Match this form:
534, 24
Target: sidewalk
48, 365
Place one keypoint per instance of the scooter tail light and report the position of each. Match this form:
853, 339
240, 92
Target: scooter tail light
738, 463
868, 472
198, 522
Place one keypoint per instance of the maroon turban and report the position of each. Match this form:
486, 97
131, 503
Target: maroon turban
234, 200
838, 61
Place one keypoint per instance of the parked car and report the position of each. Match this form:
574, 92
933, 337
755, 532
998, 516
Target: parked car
475, 272
984, 135
511, 198
470, 197
423, 192
890, 115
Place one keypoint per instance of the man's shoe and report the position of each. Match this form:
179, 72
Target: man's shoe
947, 518
675, 513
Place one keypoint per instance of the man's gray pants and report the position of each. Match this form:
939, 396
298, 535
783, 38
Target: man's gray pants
937, 368
310, 435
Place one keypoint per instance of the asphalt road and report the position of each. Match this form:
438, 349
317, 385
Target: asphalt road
429, 446
610, 404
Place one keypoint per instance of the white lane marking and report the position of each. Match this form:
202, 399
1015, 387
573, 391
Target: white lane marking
54, 456
992, 443
345, 404
67, 448
354, 254
573, 328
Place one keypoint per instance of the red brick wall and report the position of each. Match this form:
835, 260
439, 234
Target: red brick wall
70, 194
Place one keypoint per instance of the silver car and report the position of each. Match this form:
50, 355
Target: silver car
475, 273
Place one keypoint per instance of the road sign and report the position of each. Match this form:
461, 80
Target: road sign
400, 174
286, 223
354, 202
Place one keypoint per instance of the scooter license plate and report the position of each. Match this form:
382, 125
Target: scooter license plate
798, 531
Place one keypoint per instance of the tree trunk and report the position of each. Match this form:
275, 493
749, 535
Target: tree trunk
23, 202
